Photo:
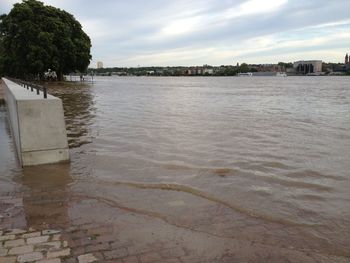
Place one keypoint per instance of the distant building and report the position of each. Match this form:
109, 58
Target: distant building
208, 71
193, 71
99, 64
347, 63
306, 67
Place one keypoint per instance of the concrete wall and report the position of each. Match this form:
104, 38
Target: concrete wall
37, 125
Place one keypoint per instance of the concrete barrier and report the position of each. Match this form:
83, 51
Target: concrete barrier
37, 125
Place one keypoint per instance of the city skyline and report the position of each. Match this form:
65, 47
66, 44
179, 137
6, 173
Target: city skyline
156, 33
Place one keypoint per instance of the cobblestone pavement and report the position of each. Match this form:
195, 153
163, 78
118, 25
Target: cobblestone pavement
83, 246
19, 245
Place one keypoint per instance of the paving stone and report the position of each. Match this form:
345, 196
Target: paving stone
132, 250
78, 234
87, 241
74, 243
98, 247
50, 232
191, 259
21, 250
72, 228
106, 238
37, 240
3, 251
117, 253
56, 237
48, 246
15, 231
131, 259
58, 253
172, 252
30, 257
118, 244
171, 260
79, 251
7, 259
70, 260
89, 225
14, 201
87, 258
7, 237
1, 232
99, 256
151, 257
34, 234
53, 260
14, 243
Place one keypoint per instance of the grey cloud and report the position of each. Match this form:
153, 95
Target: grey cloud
133, 27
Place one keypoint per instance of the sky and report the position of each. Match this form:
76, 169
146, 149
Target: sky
216, 32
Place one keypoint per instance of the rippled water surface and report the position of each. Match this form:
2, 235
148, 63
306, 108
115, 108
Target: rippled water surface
260, 159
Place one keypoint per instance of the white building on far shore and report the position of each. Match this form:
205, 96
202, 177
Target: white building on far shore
99, 64
311, 67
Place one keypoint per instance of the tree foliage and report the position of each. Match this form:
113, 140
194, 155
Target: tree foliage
35, 38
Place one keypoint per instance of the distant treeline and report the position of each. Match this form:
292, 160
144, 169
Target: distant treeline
205, 70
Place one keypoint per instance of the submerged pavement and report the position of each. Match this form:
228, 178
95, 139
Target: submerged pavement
48, 224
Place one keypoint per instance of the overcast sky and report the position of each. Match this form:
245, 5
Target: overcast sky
215, 32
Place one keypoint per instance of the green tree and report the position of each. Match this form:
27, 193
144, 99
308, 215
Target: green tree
35, 38
243, 68
285, 65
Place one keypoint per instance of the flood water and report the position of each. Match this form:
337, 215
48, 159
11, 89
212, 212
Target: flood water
226, 168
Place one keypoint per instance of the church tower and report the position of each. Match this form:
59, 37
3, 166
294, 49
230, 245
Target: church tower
346, 59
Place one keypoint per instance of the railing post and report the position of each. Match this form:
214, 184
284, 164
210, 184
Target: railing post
45, 92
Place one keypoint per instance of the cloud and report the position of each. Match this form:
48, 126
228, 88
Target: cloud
155, 32
253, 7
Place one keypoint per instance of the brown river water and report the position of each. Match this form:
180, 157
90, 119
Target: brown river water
229, 169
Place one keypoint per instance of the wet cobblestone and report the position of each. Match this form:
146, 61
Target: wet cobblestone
78, 246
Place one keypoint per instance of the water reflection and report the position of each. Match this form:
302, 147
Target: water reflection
46, 195
9, 165
79, 111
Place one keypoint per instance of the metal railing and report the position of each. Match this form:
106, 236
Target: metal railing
31, 86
